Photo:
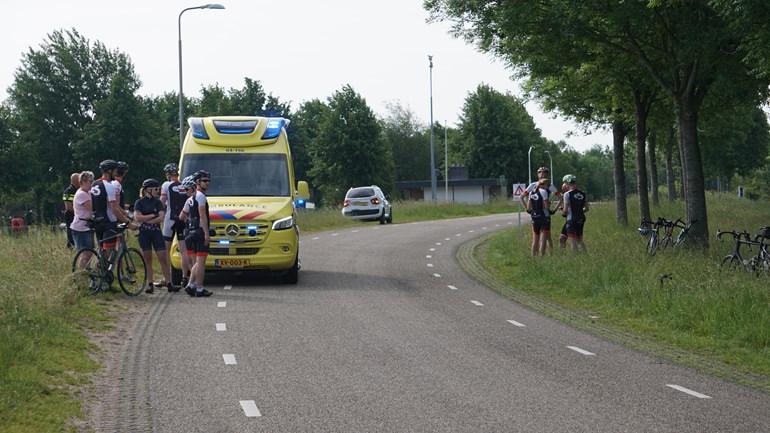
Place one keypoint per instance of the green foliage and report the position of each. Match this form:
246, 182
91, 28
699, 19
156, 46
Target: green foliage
496, 133
717, 314
304, 128
349, 150
409, 142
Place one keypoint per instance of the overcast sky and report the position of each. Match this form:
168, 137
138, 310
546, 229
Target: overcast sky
298, 49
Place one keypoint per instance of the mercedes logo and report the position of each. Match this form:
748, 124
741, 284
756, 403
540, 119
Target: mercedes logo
231, 230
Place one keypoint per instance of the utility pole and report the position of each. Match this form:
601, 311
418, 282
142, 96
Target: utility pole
446, 165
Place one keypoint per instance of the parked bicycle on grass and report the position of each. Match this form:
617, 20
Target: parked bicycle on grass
759, 263
656, 241
99, 266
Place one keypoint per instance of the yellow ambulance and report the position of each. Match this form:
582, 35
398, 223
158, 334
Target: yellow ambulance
251, 196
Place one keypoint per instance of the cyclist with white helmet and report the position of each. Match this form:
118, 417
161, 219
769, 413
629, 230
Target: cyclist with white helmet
173, 197
196, 214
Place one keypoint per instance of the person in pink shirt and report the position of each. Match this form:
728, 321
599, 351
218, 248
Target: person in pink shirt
82, 234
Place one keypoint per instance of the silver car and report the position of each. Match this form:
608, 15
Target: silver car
367, 203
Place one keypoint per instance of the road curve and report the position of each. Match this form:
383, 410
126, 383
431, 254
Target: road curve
384, 333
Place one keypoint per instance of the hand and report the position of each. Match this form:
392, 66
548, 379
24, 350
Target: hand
133, 226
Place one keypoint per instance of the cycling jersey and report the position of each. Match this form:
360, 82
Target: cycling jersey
534, 185
538, 208
119, 193
191, 208
102, 194
576, 201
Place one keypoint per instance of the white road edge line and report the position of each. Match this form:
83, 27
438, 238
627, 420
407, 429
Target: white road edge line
221, 304
687, 391
228, 287
581, 351
452, 287
221, 327
477, 303
515, 323
229, 359
437, 275
250, 408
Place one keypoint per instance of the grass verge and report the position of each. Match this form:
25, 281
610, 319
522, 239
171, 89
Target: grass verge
403, 212
724, 316
44, 351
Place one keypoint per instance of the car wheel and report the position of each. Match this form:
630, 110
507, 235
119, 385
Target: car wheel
390, 216
382, 217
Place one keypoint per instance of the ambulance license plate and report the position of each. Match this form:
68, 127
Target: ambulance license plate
231, 263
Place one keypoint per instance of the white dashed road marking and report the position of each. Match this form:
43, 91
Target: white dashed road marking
581, 351
452, 287
430, 265
229, 359
354, 231
432, 249
483, 228
221, 304
687, 391
515, 323
470, 231
335, 234
497, 225
429, 256
221, 327
316, 238
437, 275
438, 243
250, 408
446, 239
477, 303
228, 287
459, 234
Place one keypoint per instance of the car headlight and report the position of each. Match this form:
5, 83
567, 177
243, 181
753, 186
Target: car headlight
284, 223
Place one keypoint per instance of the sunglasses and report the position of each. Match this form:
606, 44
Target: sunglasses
205, 180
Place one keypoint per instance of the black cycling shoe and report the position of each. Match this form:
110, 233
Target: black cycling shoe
190, 290
184, 283
150, 288
203, 294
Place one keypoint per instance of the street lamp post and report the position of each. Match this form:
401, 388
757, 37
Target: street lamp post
529, 166
181, 95
432, 145
551, 159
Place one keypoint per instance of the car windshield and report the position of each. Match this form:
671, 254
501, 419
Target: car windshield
360, 192
242, 174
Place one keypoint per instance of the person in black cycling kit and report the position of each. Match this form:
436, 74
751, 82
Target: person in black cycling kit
106, 210
537, 208
173, 196
149, 211
196, 215
575, 207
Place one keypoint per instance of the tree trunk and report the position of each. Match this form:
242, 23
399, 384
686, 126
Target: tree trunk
692, 173
618, 138
670, 182
641, 155
654, 168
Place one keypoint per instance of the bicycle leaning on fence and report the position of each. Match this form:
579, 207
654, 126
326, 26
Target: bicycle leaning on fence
99, 266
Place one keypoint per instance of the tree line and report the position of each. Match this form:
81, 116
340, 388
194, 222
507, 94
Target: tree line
691, 75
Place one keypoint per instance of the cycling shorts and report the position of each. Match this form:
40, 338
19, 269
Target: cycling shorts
574, 229
541, 225
172, 228
151, 240
108, 231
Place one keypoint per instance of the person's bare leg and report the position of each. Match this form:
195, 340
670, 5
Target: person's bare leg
147, 255
165, 265
535, 244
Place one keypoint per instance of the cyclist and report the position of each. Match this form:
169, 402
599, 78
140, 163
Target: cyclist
120, 174
149, 211
542, 173
575, 207
173, 197
560, 205
104, 199
196, 214
68, 197
537, 208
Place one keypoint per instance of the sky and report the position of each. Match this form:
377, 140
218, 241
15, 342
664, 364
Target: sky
298, 49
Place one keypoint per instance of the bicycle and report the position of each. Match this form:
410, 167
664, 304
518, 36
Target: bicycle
97, 265
651, 229
760, 263
735, 260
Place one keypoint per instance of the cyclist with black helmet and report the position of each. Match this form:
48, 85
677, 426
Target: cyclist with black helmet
173, 197
120, 174
149, 211
196, 214
104, 200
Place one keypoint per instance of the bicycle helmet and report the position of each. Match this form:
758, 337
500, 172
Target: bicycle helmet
150, 183
201, 174
171, 168
569, 178
188, 182
107, 165
122, 167
543, 169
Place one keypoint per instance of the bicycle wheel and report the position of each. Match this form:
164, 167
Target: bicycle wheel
132, 272
731, 263
680, 239
652, 245
88, 264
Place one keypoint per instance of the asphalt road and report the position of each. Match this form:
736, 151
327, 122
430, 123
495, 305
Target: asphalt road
384, 333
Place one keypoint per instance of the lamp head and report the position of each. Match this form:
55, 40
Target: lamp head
213, 6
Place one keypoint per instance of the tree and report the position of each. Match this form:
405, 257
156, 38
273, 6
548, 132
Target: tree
349, 150
408, 140
53, 97
495, 134
303, 130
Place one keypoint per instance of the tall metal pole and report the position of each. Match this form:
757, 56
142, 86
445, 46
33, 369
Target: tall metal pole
529, 166
181, 94
446, 165
432, 145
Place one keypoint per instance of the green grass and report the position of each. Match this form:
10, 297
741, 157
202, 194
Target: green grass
44, 353
403, 212
721, 315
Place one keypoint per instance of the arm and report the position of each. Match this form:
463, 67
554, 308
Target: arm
120, 214
564, 205
204, 222
68, 207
